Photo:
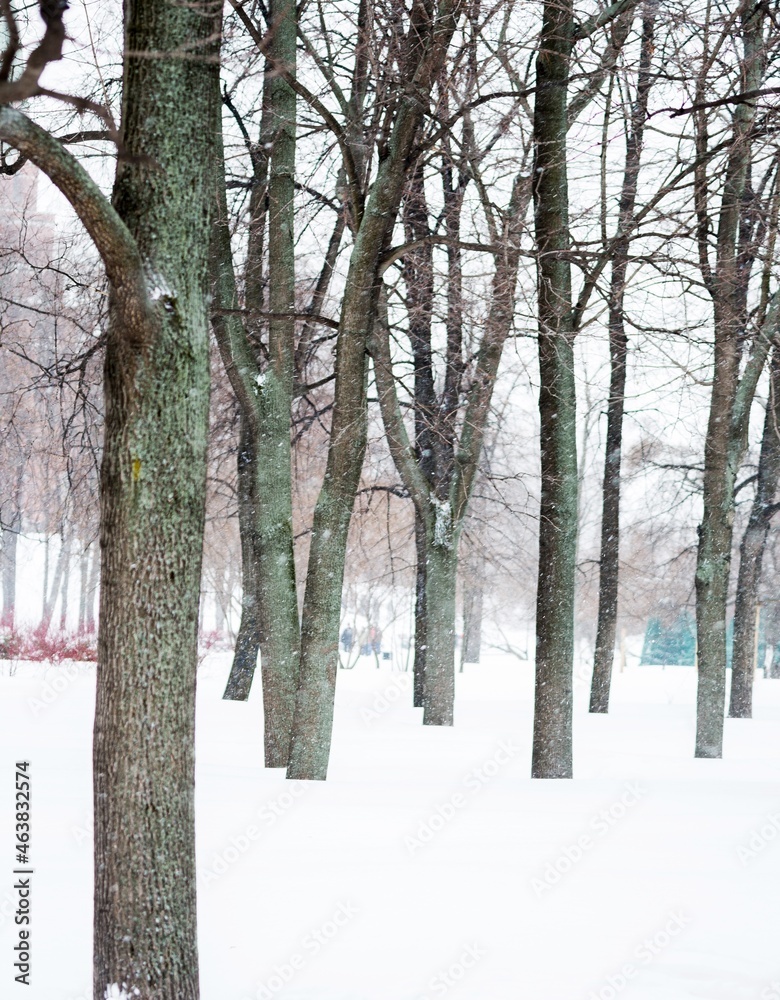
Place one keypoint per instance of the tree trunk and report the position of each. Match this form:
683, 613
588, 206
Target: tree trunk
729, 411
425, 50
279, 624
92, 586
83, 584
65, 586
50, 601
552, 742
10, 543
152, 514
420, 614
473, 600
751, 554
440, 577
247, 648
270, 608
618, 351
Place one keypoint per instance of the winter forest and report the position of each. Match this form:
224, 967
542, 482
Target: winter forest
389, 422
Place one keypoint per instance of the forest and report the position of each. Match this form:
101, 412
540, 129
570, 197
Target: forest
395, 386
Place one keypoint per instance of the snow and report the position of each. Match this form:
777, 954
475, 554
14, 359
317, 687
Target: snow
429, 864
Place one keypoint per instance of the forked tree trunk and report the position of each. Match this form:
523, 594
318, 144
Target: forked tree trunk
152, 514
751, 554
269, 619
425, 50
552, 741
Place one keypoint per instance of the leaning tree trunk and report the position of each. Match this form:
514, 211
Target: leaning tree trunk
152, 514
751, 554
552, 741
618, 352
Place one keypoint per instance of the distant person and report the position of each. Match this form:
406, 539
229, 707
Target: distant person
375, 639
347, 639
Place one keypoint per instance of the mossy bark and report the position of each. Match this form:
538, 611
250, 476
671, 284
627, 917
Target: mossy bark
552, 740
729, 407
751, 553
439, 688
152, 512
426, 46
269, 618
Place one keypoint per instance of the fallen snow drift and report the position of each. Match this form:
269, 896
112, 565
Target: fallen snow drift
429, 864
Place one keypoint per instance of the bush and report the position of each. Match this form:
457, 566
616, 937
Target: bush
38, 644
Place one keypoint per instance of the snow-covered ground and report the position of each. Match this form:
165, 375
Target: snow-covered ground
429, 864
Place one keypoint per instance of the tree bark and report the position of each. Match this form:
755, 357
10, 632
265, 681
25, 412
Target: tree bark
420, 613
152, 513
247, 648
552, 741
729, 409
269, 619
65, 584
473, 601
440, 572
618, 353
10, 541
425, 49
279, 622
751, 554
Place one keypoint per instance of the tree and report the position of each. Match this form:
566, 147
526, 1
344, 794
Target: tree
421, 55
751, 553
153, 241
618, 351
264, 391
739, 234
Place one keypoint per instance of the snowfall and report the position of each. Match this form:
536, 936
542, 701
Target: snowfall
429, 864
